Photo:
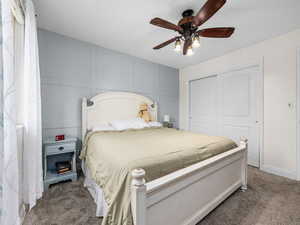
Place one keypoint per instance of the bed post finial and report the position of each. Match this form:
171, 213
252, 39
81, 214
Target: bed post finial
244, 144
138, 196
243, 141
138, 177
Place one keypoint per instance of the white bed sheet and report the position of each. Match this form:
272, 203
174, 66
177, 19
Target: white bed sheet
95, 191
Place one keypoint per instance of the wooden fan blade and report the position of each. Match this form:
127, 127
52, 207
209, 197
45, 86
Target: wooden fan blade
207, 11
187, 43
218, 32
165, 24
166, 43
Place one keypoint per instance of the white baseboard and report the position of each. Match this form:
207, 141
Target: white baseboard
279, 172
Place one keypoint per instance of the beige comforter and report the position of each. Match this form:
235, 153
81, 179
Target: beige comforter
112, 155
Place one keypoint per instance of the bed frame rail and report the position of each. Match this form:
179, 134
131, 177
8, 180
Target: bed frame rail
185, 196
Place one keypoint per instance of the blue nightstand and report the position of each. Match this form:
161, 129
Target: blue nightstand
55, 151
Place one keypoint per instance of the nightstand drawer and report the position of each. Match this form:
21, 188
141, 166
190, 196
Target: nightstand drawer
60, 148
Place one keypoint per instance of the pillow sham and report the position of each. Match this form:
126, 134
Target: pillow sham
154, 124
103, 127
136, 123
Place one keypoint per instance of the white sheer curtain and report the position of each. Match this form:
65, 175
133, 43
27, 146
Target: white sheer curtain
1, 117
10, 174
31, 189
33, 172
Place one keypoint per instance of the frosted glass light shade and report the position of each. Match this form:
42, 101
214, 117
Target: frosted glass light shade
196, 42
177, 46
190, 51
166, 118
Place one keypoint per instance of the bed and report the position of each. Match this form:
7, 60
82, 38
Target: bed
183, 193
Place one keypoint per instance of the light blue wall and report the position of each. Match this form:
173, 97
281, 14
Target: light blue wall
72, 69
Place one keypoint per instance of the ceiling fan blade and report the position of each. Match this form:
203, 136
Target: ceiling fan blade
166, 43
165, 24
187, 44
207, 11
218, 32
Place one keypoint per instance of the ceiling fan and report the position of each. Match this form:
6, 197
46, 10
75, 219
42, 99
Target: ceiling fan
188, 27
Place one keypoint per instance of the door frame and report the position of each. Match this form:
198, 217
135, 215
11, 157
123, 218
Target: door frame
260, 99
298, 113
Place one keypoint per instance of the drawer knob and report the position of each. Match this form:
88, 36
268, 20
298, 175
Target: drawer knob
61, 148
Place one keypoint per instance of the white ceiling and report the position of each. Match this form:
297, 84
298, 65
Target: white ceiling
124, 25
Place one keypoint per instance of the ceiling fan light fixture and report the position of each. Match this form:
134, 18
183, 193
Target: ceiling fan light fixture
196, 41
190, 51
188, 25
177, 46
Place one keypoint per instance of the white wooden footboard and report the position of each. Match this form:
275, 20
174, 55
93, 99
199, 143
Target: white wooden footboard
187, 195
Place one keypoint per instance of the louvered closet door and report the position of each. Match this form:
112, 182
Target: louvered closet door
226, 105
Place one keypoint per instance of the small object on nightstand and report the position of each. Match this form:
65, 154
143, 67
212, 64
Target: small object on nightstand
59, 161
63, 167
166, 122
166, 118
60, 137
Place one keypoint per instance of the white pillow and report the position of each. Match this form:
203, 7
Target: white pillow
103, 127
154, 124
136, 123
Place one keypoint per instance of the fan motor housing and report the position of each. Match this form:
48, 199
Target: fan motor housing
186, 23
187, 13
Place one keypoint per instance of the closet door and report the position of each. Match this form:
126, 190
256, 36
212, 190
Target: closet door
203, 105
238, 107
227, 105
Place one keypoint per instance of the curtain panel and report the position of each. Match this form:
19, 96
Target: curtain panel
33, 171
1, 119
20, 76
17, 10
10, 176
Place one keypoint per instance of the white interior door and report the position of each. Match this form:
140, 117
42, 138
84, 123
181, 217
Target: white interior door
239, 107
203, 105
227, 105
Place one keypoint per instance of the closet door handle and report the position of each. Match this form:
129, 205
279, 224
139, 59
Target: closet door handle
61, 148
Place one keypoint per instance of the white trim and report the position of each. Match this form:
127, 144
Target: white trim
298, 114
279, 171
260, 97
260, 113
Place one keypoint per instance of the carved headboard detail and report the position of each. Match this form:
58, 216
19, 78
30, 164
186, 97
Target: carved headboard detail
109, 106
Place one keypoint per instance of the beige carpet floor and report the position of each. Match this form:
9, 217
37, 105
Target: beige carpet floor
269, 200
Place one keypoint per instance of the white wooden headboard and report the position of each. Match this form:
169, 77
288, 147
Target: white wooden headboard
109, 106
